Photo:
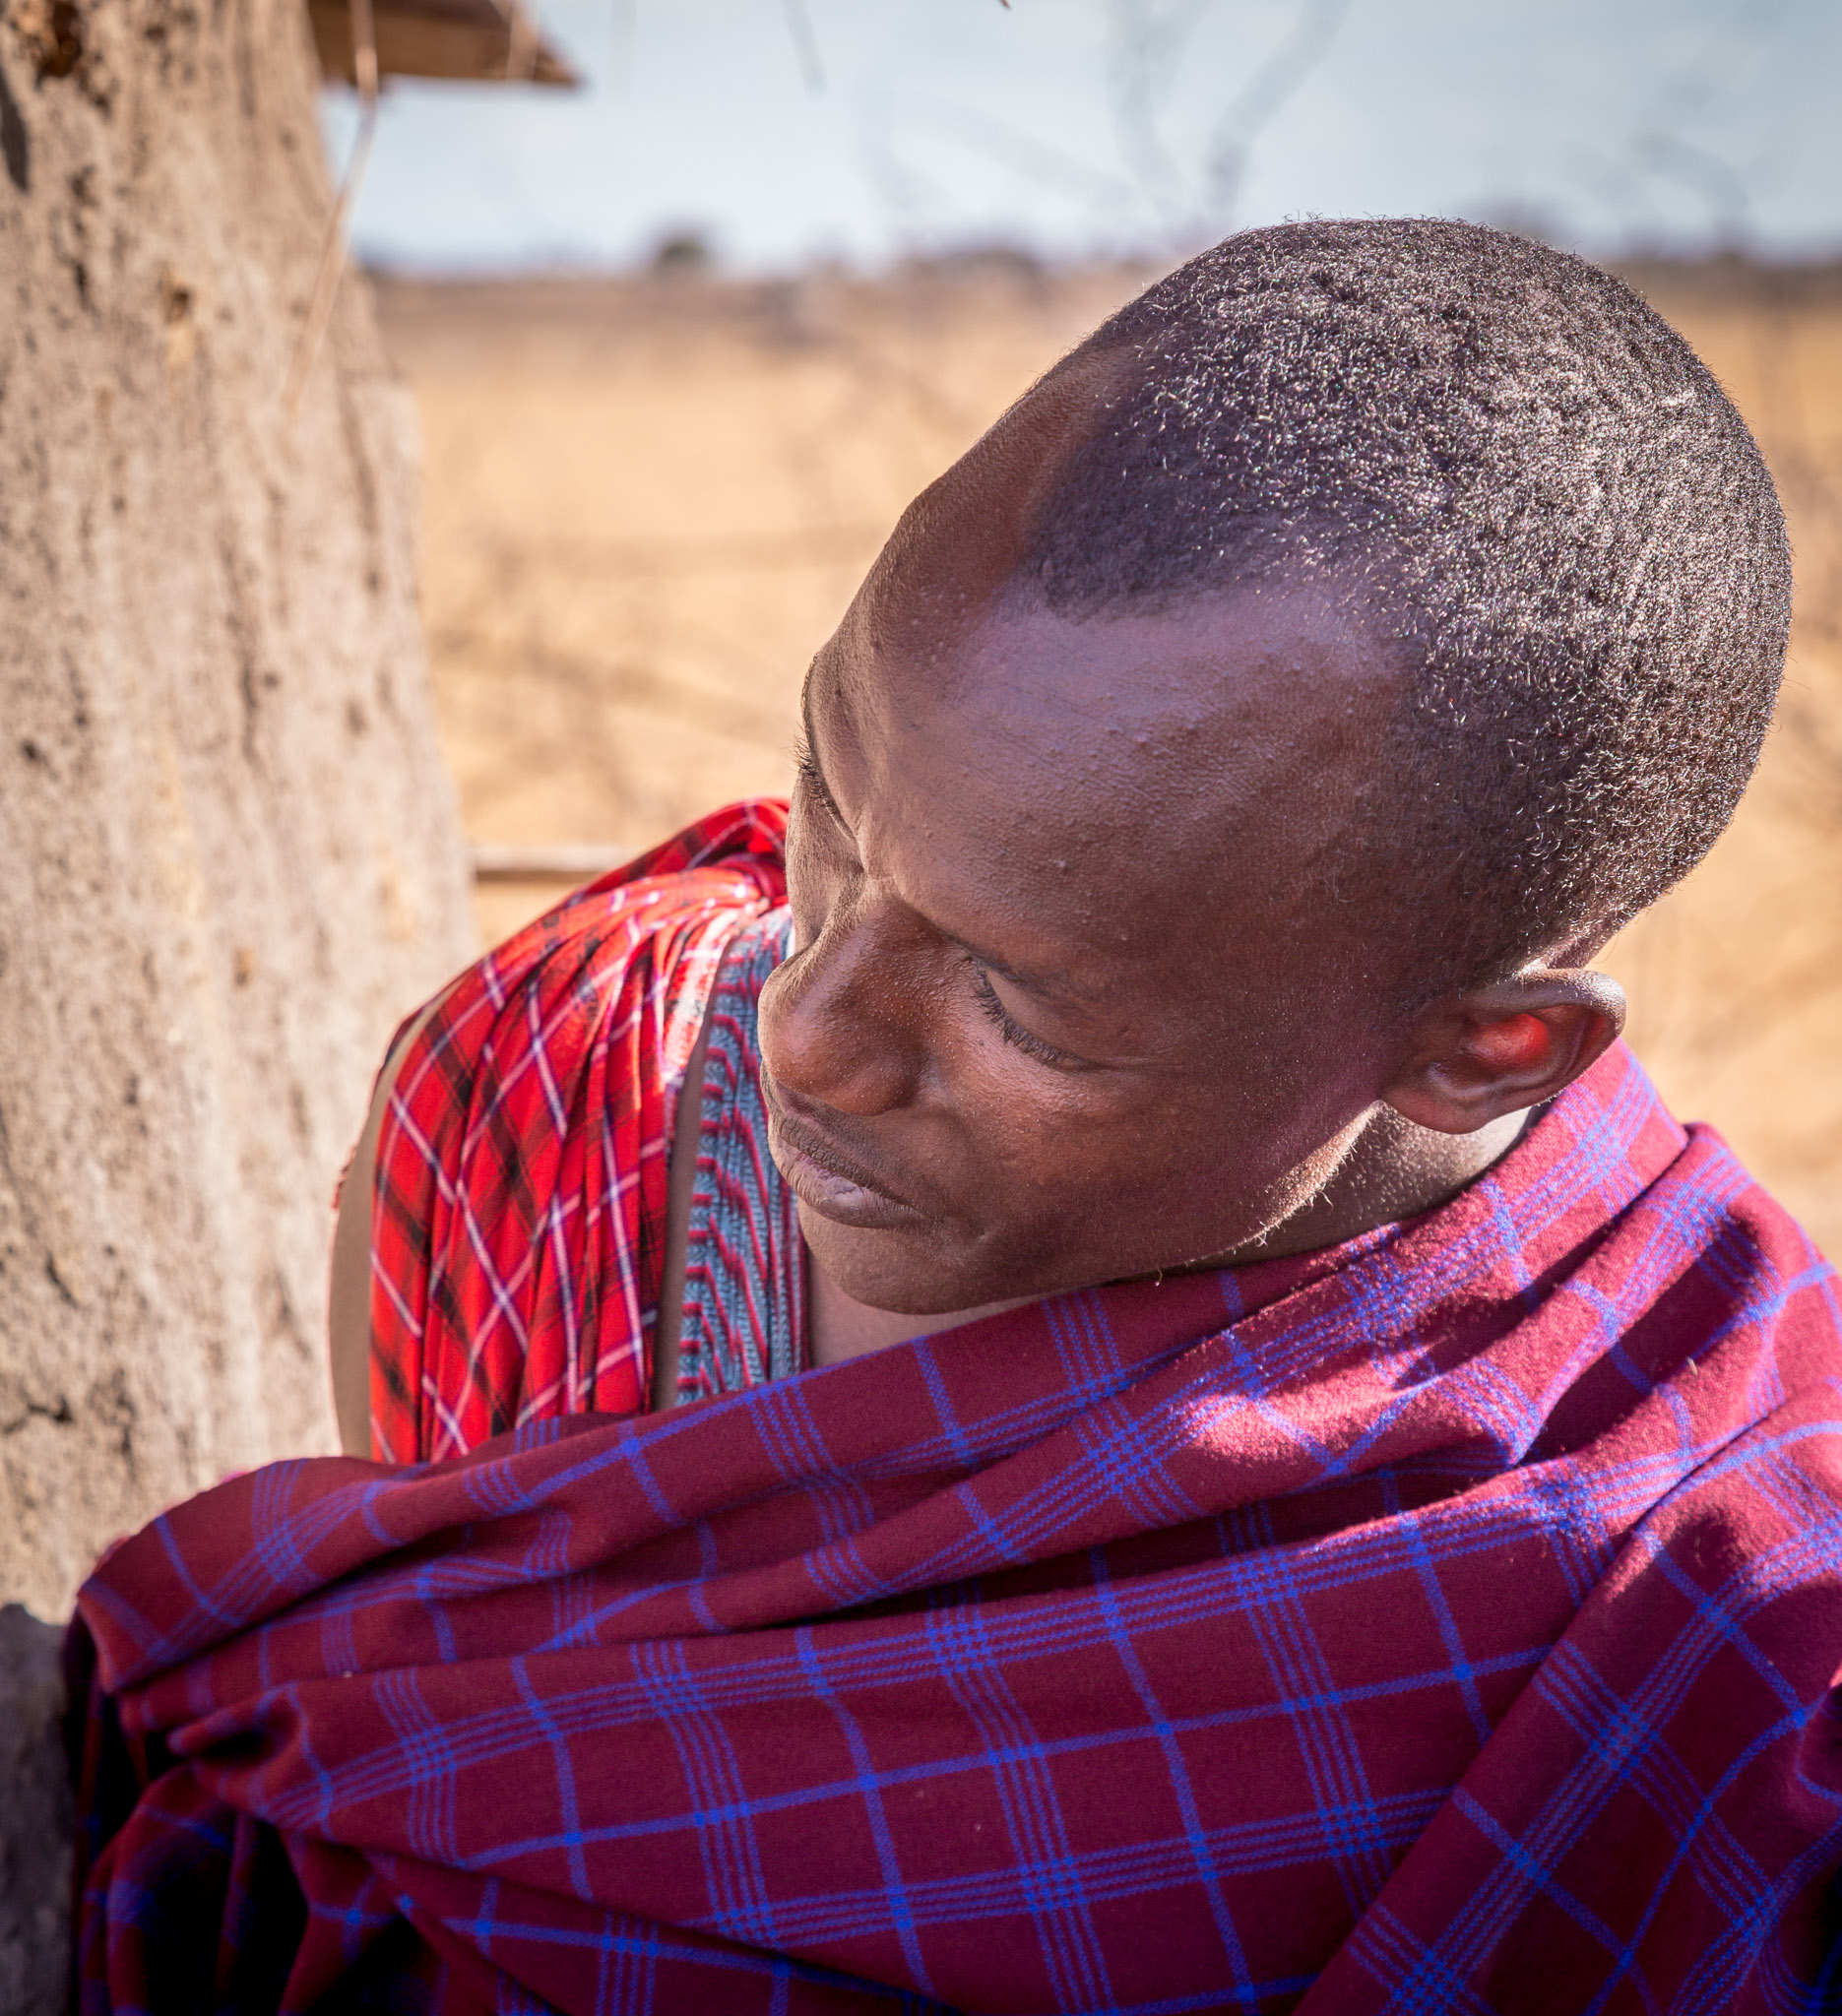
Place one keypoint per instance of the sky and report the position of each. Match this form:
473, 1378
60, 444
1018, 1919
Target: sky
781, 132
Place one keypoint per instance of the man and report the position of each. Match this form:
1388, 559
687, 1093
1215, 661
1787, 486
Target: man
1243, 1460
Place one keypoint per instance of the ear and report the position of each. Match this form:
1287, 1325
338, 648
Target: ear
1497, 1049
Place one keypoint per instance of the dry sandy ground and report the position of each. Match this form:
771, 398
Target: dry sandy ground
647, 502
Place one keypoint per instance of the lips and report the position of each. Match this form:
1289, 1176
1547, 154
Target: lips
829, 1178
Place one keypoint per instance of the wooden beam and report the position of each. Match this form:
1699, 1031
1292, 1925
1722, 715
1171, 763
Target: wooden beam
471, 40
545, 864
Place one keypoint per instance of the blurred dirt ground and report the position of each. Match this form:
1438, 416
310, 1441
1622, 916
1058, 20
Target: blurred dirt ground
649, 500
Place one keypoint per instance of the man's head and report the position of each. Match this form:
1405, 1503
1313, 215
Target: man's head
1229, 766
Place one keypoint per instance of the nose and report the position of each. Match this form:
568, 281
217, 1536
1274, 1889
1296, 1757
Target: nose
843, 1023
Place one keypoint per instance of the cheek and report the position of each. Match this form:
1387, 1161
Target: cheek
1092, 1183
1039, 1141
1124, 1148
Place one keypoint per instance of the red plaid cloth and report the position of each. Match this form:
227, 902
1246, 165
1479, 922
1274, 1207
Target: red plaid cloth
518, 1219
1450, 1622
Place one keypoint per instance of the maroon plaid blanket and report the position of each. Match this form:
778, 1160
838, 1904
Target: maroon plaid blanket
1447, 1622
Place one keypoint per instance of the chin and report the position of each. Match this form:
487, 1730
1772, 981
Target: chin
905, 1273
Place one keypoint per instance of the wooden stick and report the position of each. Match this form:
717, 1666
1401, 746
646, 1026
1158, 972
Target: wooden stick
578, 863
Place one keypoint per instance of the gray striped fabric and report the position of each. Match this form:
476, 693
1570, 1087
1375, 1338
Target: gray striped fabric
744, 1269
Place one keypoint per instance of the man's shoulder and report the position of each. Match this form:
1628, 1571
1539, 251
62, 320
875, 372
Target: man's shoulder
732, 860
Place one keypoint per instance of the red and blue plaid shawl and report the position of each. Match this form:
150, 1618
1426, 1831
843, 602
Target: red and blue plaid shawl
1446, 1622
517, 1216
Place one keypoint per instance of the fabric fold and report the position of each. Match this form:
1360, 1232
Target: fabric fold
519, 1205
1447, 1621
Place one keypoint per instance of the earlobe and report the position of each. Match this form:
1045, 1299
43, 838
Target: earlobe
1502, 1049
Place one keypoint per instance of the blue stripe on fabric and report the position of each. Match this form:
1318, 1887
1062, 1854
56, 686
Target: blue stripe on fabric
894, 1892
744, 1318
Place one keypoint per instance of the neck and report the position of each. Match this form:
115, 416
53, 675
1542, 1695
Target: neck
1393, 1171
841, 1327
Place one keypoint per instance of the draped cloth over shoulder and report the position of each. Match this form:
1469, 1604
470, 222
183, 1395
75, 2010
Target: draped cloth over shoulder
519, 1211
1446, 1622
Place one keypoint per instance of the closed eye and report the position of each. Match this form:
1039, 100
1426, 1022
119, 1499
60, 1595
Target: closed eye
806, 770
1014, 1033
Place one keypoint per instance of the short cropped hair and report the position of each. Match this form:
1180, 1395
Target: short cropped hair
1523, 473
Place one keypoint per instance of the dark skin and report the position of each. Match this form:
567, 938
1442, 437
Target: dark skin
1057, 1016
1069, 1002
1093, 977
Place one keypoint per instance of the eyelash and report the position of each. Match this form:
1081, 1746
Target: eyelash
806, 769
1012, 1031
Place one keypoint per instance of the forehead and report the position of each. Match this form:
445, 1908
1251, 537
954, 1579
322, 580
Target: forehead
1098, 788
